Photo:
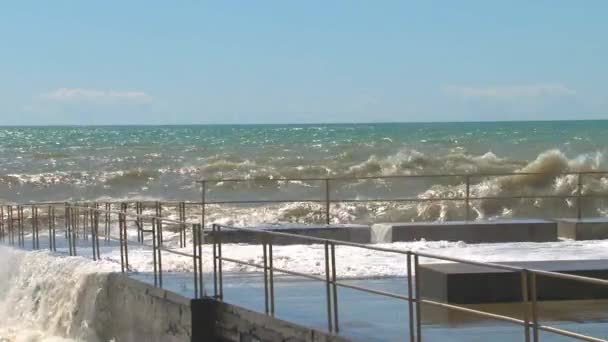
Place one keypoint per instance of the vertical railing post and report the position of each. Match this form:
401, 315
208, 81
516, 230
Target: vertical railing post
154, 241
334, 286
219, 262
327, 202
467, 198
107, 221
418, 300
328, 288
525, 303
265, 259
159, 246
410, 297
203, 202
21, 226
534, 306
124, 233
579, 198
11, 225
199, 230
195, 260
214, 255
1, 223
34, 217
120, 238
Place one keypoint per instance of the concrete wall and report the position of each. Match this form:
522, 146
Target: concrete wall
586, 229
217, 321
472, 284
347, 232
470, 232
129, 310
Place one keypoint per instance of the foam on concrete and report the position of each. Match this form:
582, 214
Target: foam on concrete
584, 229
471, 284
342, 232
468, 231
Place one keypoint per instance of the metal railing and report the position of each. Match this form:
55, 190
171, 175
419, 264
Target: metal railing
530, 322
325, 199
82, 221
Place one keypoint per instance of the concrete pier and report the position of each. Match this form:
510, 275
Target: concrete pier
469, 284
343, 232
467, 231
584, 229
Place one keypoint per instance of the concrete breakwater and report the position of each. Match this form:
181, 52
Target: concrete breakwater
130, 310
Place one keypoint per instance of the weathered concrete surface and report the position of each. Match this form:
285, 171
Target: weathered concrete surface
469, 284
129, 310
585, 229
470, 232
347, 232
217, 321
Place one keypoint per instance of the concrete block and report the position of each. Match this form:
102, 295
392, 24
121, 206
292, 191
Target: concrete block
469, 284
584, 229
470, 232
347, 232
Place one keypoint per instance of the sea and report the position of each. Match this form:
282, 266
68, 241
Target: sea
40, 292
161, 163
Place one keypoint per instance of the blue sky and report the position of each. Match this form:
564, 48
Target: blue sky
181, 62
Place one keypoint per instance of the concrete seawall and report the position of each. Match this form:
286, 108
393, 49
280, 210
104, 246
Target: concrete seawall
128, 310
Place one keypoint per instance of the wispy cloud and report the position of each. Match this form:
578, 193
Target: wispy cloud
81, 94
509, 91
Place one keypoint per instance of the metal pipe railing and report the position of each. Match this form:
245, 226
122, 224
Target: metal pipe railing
467, 197
78, 217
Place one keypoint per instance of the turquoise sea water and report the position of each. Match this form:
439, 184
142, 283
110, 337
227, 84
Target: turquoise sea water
162, 162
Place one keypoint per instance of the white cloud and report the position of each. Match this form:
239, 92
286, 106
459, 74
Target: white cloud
509, 91
80, 94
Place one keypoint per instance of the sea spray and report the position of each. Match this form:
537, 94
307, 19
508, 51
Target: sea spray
46, 297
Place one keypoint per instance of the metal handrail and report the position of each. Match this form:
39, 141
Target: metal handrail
465, 197
528, 275
78, 214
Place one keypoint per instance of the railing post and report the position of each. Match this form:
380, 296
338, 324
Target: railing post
203, 202
579, 198
11, 225
418, 301
107, 221
219, 262
1, 223
154, 241
199, 230
327, 202
534, 306
328, 288
195, 260
334, 286
214, 249
467, 199
525, 302
410, 296
265, 260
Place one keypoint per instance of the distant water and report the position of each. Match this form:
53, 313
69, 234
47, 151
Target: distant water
162, 162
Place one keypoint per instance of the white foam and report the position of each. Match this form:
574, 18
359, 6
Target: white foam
43, 298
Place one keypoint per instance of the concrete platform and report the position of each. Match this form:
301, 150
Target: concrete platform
470, 232
584, 229
468, 284
347, 232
